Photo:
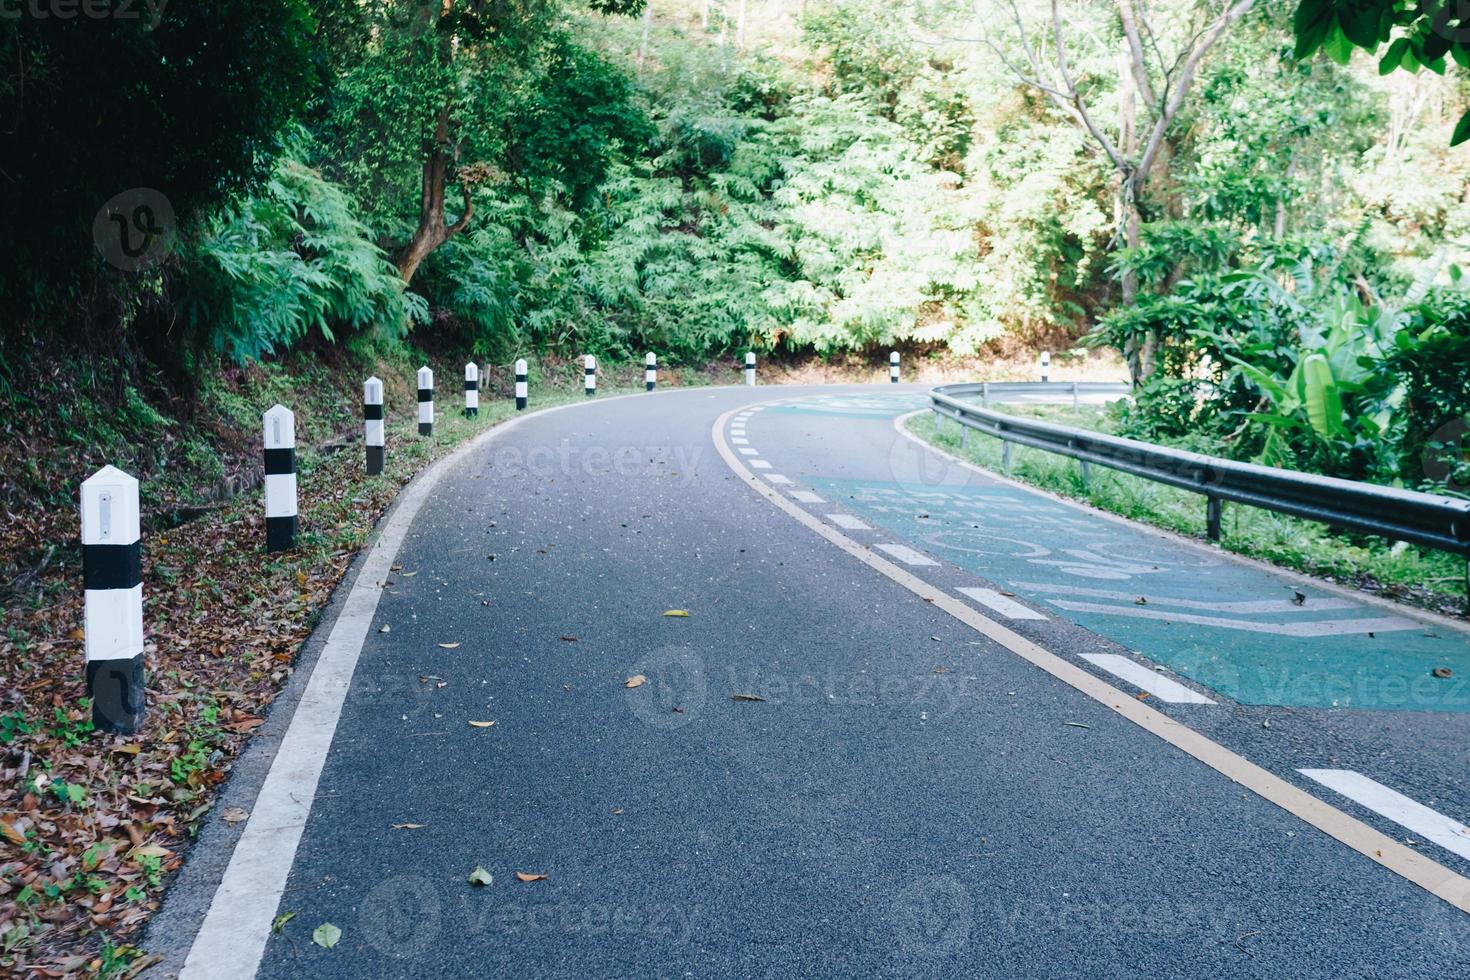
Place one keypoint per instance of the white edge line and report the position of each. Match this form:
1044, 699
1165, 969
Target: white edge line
231, 941
1288, 574
1378, 847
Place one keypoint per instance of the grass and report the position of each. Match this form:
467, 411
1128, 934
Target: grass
1430, 579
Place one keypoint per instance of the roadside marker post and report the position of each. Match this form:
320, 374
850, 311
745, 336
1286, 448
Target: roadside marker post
426, 401
893, 368
650, 371
522, 385
112, 577
372, 424
589, 375
280, 478
1045, 366
471, 390
750, 368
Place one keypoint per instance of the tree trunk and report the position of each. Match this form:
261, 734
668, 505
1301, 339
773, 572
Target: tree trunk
647, 26
433, 230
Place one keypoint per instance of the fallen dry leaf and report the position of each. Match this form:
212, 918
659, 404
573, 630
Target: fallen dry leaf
746, 697
481, 724
637, 680
569, 639
528, 876
1443, 672
450, 646
405, 826
684, 613
235, 814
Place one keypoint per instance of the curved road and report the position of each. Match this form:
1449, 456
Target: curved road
917, 722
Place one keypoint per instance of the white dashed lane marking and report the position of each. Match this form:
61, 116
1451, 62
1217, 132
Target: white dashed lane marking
807, 497
848, 521
758, 464
1429, 824
906, 554
777, 478
1007, 607
749, 452
741, 442
1144, 679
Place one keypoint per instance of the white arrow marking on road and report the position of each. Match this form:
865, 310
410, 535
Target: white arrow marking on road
1007, 607
1141, 677
1429, 824
1312, 604
1321, 627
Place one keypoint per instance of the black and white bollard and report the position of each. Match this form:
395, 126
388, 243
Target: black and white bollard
426, 401
1045, 366
893, 368
650, 371
112, 574
280, 479
750, 368
522, 385
372, 424
589, 375
471, 390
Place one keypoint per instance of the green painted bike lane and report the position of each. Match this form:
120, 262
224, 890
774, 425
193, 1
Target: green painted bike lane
1254, 636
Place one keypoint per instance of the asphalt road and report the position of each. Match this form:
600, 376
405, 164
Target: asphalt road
908, 796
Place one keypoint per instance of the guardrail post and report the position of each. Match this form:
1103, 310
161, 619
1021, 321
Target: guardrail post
471, 390
1214, 508
280, 478
1086, 468
1005, 455
522, 385
985, 394
650, 371
750, 368
893, 368
964, 434
1045, 366
938, 422
112, 617
426, 401
1074, 396
589, 375
372, 424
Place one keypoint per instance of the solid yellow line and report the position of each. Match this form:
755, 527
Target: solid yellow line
1433, 877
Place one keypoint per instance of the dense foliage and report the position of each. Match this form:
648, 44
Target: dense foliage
1271, 238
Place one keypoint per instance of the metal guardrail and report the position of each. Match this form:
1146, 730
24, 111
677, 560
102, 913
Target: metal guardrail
1404, 515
